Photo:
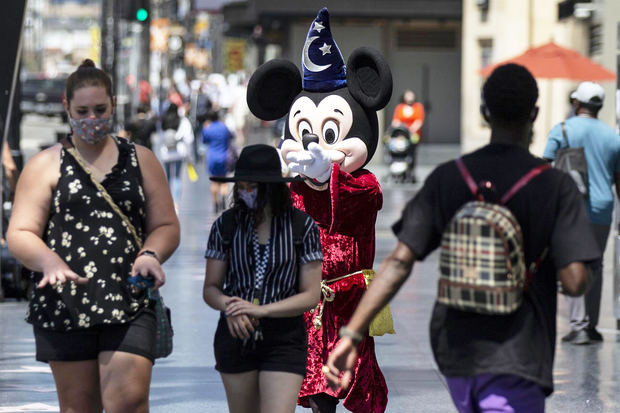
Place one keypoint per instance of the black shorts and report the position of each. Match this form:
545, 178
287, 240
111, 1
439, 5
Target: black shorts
135, 337
284, 348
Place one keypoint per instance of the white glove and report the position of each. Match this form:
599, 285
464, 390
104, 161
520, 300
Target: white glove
313, 163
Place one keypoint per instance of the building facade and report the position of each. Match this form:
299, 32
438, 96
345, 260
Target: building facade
496, 30
421, 40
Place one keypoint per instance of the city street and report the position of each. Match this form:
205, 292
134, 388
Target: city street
179, 66
586, 377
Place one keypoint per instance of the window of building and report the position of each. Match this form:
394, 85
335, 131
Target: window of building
486, 52
596, 39
426, 38
483, 6
486, 59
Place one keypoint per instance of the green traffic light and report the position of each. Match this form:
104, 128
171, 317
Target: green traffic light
142, 14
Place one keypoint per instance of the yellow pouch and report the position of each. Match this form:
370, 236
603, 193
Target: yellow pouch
191, 172
383, 323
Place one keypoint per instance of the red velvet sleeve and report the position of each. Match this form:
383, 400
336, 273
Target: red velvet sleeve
349, 206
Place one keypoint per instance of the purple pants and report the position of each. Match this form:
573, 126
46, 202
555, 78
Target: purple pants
496, 393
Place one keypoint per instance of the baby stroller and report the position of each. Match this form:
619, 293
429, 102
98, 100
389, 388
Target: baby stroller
398, 154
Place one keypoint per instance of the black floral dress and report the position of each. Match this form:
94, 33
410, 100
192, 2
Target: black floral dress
92, 239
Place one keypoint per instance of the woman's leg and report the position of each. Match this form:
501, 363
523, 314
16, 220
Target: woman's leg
175, 180
241, 391
223, 193
215, 196
278, 391
125, 382
77, 384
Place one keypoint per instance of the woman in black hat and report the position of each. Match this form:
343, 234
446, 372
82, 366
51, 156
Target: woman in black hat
263, 272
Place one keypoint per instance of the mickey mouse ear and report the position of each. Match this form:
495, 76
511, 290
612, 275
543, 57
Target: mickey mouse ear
272, 89
323, 65
369, 78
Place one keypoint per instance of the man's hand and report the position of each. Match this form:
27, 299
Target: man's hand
313, 163
340, 364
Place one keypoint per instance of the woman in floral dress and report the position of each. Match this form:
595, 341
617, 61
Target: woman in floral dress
97, 334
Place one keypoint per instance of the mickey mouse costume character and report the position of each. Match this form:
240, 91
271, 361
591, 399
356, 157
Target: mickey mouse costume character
331, 133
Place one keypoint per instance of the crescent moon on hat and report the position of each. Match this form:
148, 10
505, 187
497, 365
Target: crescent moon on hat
310, 65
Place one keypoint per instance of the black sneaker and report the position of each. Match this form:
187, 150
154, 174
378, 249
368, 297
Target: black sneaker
578, 337
570, 336
594, 335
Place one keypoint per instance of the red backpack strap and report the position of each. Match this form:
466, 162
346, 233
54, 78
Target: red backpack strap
534, 267
524, 181
469, 180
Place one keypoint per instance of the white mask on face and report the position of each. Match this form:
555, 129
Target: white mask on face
249, 197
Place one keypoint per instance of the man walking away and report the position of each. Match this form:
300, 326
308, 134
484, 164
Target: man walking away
491, 362
602, 149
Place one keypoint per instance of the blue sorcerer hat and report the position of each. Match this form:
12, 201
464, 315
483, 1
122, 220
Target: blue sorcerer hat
324, 68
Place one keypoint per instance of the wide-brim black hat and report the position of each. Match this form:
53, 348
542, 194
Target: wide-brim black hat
257, 163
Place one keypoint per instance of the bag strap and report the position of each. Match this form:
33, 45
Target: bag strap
534, 172
229, 225
69, 148
564, 135
511, 192
469, 180
534, 267
299, 224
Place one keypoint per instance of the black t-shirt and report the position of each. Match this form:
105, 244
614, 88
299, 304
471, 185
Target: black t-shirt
552, 214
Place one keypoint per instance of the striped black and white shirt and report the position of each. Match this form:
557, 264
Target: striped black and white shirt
281, 275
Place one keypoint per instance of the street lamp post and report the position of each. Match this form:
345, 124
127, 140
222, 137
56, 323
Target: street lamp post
12, 22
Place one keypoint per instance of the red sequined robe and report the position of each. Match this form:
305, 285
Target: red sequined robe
345, 214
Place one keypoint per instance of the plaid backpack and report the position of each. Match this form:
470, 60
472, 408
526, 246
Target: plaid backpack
481, 264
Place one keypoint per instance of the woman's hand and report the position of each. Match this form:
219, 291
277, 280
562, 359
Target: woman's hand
237, 306
240, 326
146, 265
55, 270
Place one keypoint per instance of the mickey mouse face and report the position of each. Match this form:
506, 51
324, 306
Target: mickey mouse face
328, 119
331, 120
343, 121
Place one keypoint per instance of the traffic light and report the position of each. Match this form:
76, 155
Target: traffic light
142, 10
142, 14
134, 10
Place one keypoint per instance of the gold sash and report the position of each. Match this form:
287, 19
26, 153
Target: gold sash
380, 325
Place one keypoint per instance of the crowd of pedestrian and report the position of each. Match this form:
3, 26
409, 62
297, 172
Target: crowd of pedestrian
184, 128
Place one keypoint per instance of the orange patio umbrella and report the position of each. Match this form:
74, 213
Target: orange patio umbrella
551, 61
